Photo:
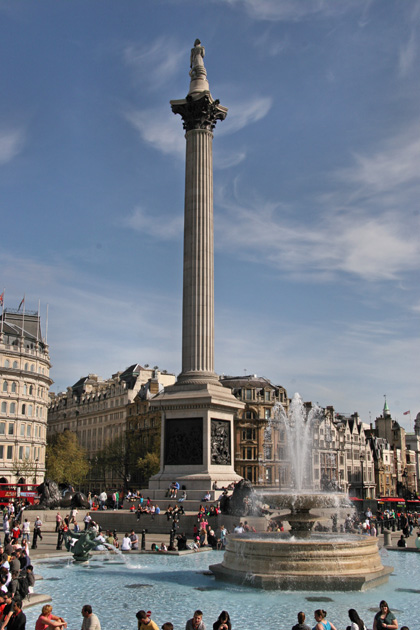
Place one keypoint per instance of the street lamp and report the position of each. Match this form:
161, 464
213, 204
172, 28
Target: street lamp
363, 481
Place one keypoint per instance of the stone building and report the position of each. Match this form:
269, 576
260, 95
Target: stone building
97, 410
24, 386
259, 437
412, 441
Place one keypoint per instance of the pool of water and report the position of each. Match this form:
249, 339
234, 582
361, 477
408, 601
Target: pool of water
172, 587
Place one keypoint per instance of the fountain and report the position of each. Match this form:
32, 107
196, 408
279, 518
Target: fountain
302, 560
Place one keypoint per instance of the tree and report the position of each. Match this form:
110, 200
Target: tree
66, 460
113, 460
24, 468
148, 466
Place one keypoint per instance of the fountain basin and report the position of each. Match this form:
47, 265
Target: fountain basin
275, 561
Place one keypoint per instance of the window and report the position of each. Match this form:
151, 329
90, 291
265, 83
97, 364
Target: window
22, 430
26, 366
20, 452
15, 365
2, 428
28, 430
14, 388
12, 408
11, 428
1, 452
10, 452
23, 409
31, 390
27, 452
267, 414
25, 389
32, 368
5, 386
6, 363
4, 407
267, 396
30, 411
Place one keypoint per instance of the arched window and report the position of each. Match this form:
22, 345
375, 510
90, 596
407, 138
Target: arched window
25, 389
32, 368
5, 386
6, 363
12, 408
15, 365
23, 409
26, 366
30, 410
14, 388
31, 390
4, 407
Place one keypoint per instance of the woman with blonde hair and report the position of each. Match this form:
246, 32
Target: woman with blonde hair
47, 620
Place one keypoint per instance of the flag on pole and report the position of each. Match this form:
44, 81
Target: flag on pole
2, 299
22, 302
406, 413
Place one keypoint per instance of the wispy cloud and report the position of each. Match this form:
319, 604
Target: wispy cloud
163, 130
392, 166
243, 113
164, 228
289, 10
408, 54
366, 227
160, 129
11, 143
157, 63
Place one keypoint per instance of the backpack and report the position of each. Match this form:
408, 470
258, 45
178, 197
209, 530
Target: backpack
23, 587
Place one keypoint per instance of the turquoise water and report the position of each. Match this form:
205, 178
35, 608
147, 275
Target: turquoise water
172, 587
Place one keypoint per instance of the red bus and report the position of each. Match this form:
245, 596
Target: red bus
11, 491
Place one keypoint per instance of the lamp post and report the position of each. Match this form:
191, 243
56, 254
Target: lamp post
363, 481
36, 470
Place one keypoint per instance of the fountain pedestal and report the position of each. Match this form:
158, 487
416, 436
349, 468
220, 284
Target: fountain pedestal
302, 561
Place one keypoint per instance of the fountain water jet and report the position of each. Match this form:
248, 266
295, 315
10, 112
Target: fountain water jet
301, 560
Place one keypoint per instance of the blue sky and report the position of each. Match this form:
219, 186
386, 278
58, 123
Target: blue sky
316, 188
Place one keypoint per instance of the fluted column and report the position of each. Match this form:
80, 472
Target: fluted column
198, 294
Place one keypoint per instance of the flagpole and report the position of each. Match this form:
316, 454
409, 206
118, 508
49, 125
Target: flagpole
23, 318
2, 311
46, 328
37, 327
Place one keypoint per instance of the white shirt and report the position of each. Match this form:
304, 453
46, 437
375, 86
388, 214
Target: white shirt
126, 544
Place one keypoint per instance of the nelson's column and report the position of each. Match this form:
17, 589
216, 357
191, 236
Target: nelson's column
197, 412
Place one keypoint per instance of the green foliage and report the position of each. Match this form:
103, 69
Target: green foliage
66, 460
148, 466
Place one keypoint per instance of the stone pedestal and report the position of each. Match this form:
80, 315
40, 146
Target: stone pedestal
197, 437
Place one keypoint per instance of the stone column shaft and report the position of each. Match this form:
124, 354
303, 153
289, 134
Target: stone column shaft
198, 290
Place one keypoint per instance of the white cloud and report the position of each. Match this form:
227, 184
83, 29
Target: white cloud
156, 63
367, 227
160, 129
161, 228
289, 10
395, 164
11, 143
163, 130
245, 112
408, 54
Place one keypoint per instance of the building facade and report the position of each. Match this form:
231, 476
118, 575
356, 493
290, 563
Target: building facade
24, 397
97, 410
259, 436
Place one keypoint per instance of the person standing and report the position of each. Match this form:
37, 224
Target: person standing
37, 532
90, 620
26, 530
58, 519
